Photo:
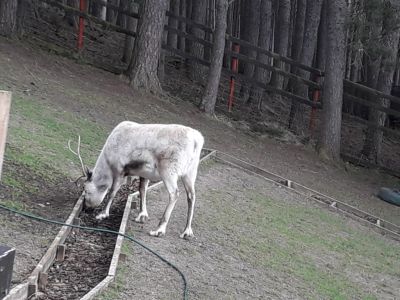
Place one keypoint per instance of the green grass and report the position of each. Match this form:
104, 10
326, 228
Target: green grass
307, 243
17, 205
38, 136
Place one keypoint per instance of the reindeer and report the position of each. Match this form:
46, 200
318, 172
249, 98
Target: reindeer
153, 152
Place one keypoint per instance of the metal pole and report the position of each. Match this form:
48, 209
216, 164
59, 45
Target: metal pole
81, 26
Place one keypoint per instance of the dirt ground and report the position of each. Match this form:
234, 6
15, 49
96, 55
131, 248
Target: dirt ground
104, 99
244, 249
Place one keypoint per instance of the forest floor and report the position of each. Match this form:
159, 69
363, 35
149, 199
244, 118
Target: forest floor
55, 99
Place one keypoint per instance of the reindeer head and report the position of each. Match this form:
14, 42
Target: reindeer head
92, 192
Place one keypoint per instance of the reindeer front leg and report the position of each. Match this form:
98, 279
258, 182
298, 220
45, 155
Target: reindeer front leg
171, 183
143, 215
113, 191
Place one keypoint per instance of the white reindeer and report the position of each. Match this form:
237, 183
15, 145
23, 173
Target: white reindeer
152, 152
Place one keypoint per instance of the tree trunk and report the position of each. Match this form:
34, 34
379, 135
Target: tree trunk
211, 91
281, 42
8, 17
103, 13
122, 18
264, 41
189, 7
96, 8
329, 140
172, 39
131, 24
21, 15
299, 29
71, 18
112, 15
249, 32
199, 13
144, 64
390, 41
298, 36
322, 38
298, 121
182, 25
374, 31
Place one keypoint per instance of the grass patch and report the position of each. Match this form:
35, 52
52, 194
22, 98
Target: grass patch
39, 134
16, 205
306, 243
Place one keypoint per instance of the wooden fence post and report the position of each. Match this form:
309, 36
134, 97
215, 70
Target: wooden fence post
5, 103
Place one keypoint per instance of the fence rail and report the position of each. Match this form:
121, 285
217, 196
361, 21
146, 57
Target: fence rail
245, 59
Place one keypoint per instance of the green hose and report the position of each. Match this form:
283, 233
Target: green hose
40, 219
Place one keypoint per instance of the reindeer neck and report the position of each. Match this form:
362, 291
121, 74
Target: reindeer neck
102, 173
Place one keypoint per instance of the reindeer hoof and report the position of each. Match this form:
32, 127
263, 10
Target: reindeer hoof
188, 233
157, 233
101, 216
141, 218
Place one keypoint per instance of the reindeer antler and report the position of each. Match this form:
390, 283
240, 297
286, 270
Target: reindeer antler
78, 153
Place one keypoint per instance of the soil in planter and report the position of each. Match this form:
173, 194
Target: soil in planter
88, 254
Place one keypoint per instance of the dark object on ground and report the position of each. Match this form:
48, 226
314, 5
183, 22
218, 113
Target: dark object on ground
390, 195
7, 255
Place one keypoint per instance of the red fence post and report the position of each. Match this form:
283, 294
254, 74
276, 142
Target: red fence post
81, 26
234, 67
316, 98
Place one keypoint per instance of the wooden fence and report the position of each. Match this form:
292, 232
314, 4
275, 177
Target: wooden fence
274, 57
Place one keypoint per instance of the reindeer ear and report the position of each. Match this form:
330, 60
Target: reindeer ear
88, 173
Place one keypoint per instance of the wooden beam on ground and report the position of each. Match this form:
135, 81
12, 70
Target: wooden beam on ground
5, 104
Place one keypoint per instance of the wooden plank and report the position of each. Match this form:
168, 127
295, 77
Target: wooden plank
18, 292
273, 89
350, 84
271, 68
372, 125
191, 23
116, 8
370, 104
5, 104
186, 55
274, 55
48, 258
98, 288
385, 226
188, 36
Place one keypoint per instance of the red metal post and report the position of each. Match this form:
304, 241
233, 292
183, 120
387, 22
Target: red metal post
316, 98
81, 26
234, 68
